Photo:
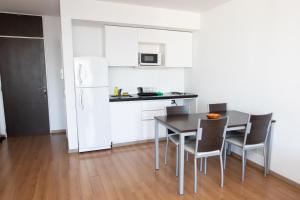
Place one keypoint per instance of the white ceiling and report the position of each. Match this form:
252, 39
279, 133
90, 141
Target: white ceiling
188, 5
51, 7
35, 7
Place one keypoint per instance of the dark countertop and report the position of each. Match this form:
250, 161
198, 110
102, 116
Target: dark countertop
135, 97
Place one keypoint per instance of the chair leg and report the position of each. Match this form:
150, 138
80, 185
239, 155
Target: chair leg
166, 150
201, 164
265, 161
229, 149
225, 154
187, 156
177, 160
195, 176
222, 171
205, 165
243, 165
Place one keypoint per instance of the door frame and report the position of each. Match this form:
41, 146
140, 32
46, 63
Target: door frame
3, 132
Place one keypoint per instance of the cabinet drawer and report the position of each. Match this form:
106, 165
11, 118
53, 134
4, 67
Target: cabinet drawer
149, 115
156, 105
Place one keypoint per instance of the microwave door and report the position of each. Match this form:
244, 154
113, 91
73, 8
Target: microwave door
148, 59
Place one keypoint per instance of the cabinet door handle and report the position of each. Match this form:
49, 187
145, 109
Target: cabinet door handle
81, 100
80, 74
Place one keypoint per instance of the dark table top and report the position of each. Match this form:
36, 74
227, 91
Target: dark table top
189, 123
135, 97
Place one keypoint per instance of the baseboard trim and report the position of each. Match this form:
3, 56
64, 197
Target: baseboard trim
58, 132
136, 142
272, 173
73, 151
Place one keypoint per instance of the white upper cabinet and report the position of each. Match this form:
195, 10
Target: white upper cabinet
121, 46
151, 36
178, 49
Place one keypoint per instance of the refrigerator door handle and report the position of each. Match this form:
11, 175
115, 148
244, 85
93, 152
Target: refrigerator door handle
81, 100
79, 74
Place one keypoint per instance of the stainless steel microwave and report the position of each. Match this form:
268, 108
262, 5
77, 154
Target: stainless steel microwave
149, 59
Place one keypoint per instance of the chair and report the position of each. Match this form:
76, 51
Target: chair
221, 108
217, 107
209, 142
172, 136
256, 135
214, 108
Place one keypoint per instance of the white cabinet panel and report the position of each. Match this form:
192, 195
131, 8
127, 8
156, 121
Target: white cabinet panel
125, 122
179, 49
148, 130
121, 46
149, 115
152, 36
93, 118
156, 105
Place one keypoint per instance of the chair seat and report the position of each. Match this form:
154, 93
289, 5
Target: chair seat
190, 147
175, 139
237, 141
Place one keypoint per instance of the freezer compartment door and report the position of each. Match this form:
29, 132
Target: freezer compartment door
93, 118
91, 72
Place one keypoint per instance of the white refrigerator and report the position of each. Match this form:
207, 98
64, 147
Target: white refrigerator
92, 103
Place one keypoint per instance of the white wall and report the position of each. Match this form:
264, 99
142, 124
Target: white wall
55, 85
247, 54
165, 80
109, 13
117, 13
88, 39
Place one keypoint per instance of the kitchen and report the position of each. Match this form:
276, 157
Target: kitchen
122, 52
139, 99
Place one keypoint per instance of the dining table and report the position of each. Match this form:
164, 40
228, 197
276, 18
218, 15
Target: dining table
187, 125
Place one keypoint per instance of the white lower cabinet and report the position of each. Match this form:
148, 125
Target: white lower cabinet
133, 121
148, 130
125, 121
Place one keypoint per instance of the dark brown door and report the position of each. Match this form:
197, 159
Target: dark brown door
22, 69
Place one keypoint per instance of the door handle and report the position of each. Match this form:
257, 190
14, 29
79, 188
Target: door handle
80, 74
81, 100
43, 90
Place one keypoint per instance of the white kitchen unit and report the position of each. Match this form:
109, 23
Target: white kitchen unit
150, 109
121, 46
179, 49
92, 103
133, 121
178, 46
125, 120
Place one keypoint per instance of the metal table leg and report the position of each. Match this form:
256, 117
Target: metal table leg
156, 146
181, 164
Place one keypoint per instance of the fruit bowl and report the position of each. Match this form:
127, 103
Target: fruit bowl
213, 116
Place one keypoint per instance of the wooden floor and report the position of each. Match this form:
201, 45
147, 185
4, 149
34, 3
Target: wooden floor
39, 168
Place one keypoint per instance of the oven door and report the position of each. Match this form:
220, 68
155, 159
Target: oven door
149, 59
